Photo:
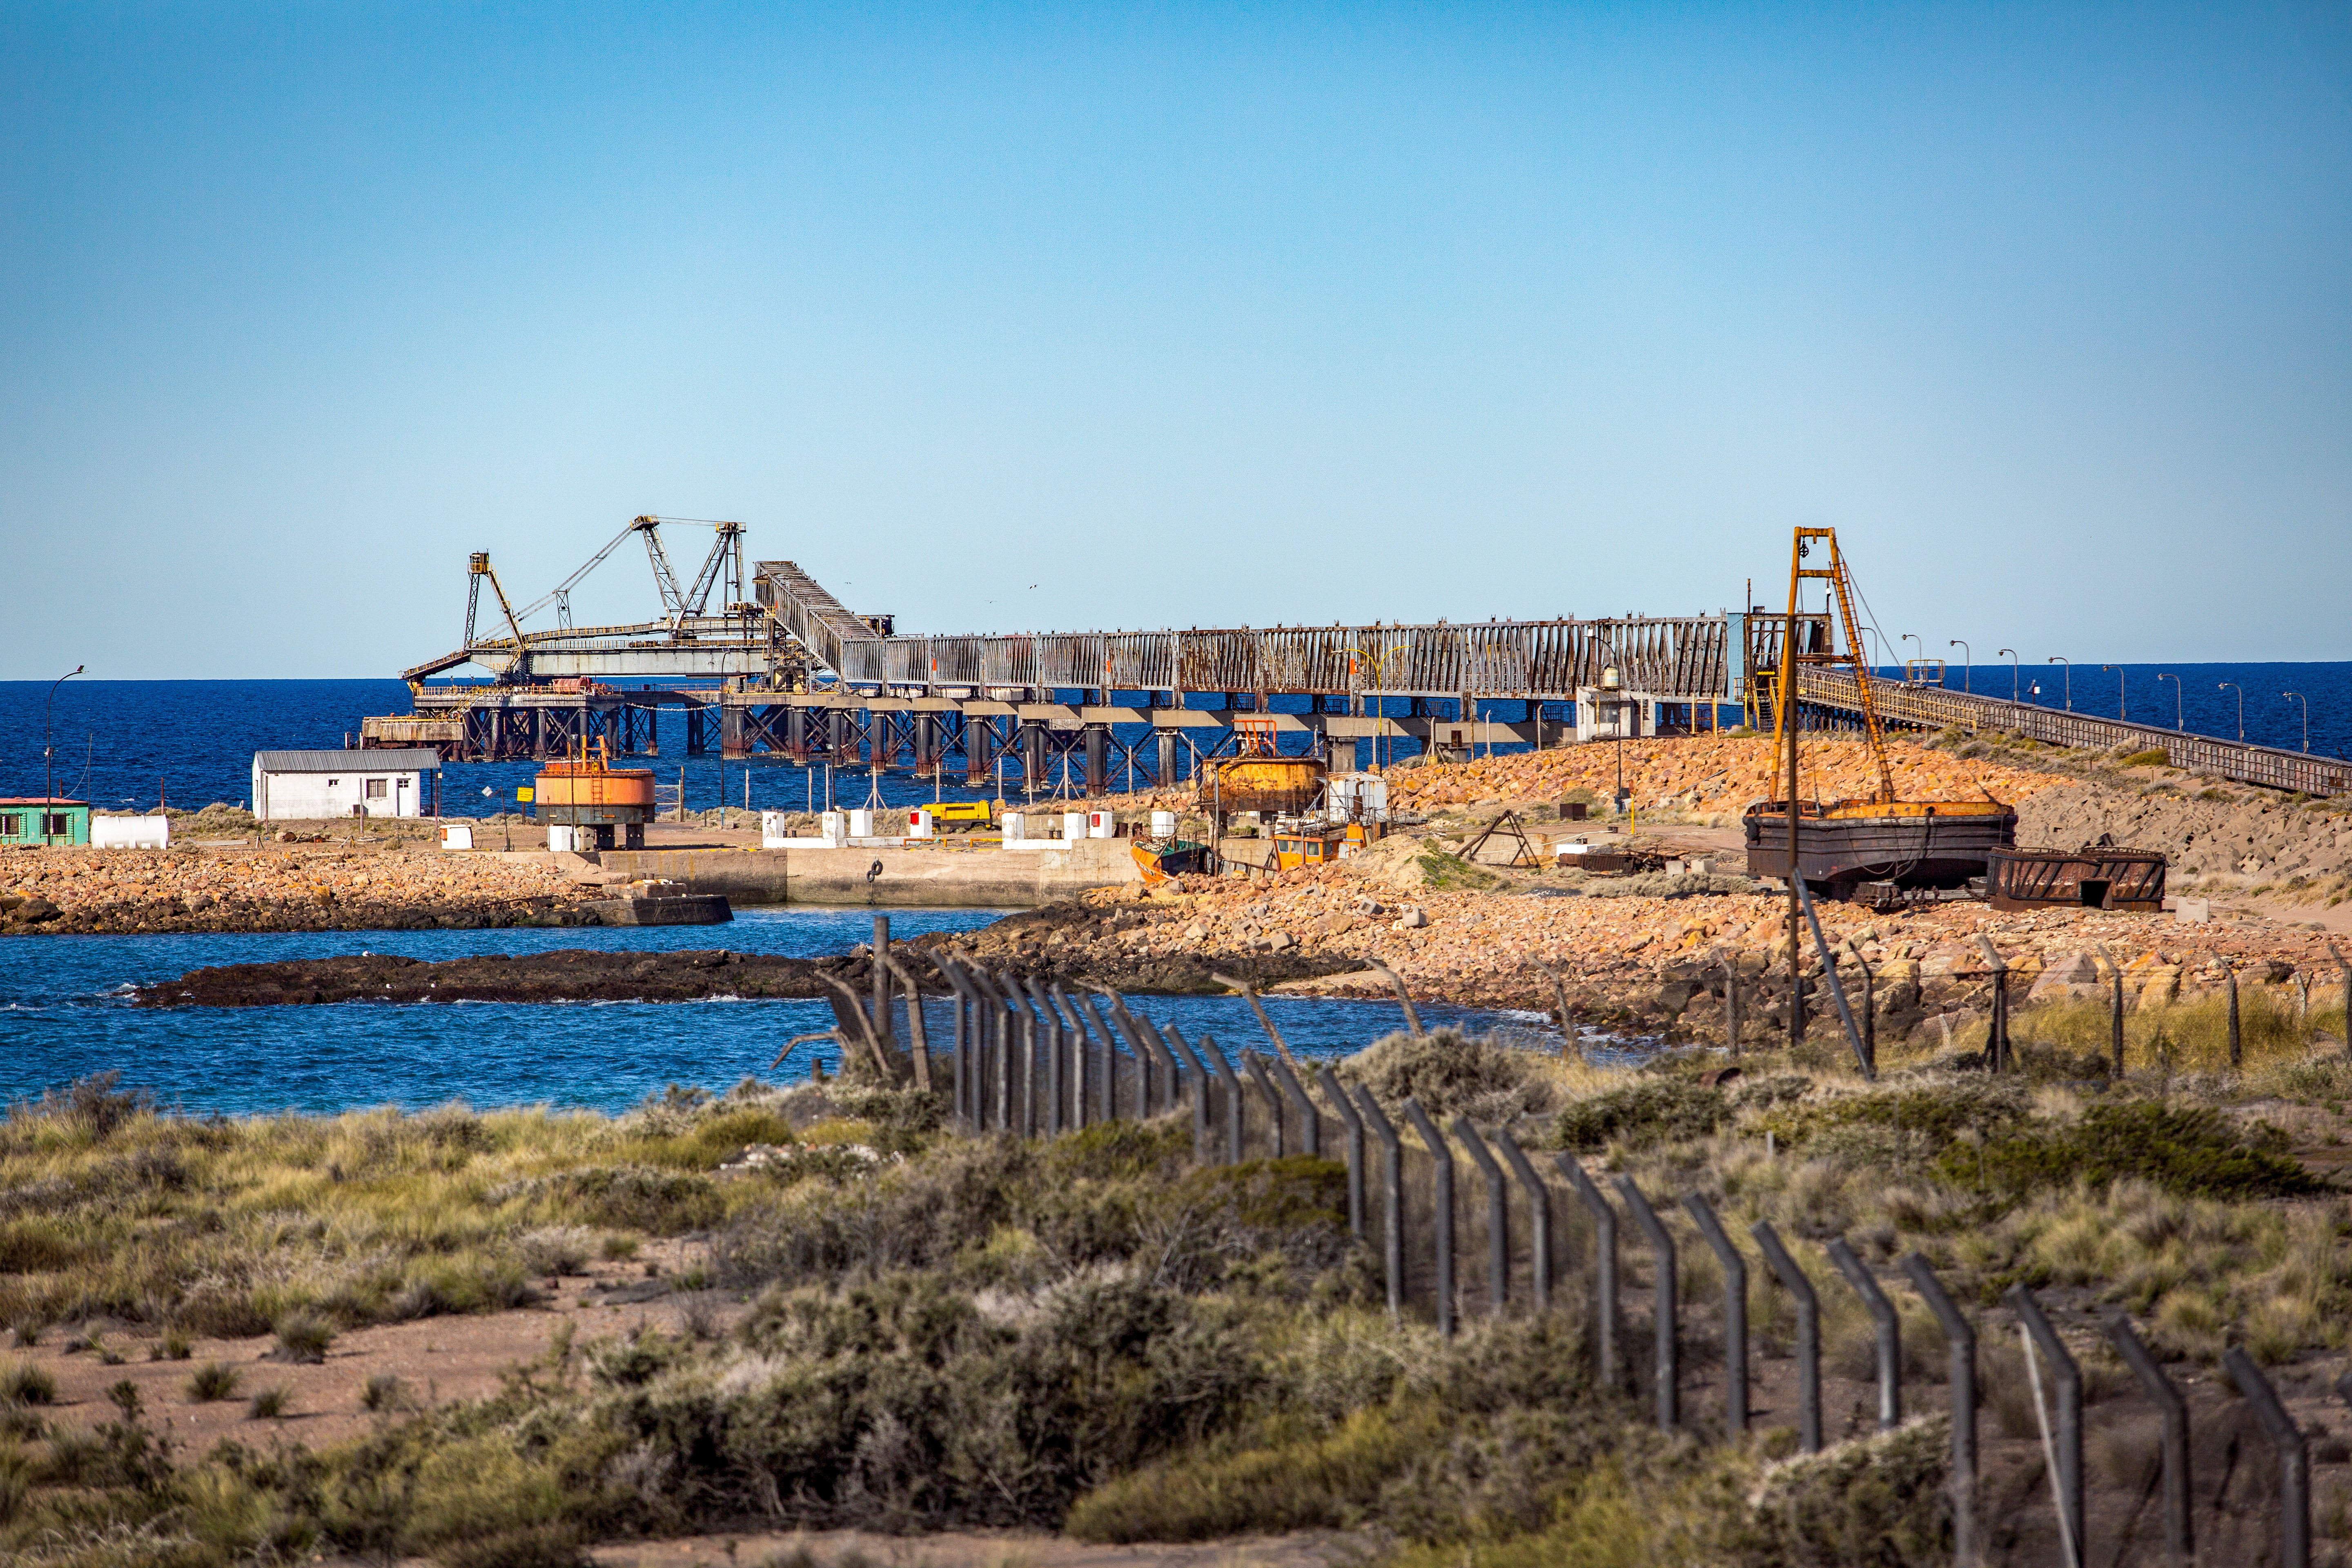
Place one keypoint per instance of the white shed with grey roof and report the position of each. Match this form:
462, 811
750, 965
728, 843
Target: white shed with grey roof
308, 786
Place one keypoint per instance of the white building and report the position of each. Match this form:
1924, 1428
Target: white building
308, 787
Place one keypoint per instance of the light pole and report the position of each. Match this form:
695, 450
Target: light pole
1912, 636
2121, 711
2061, 658
2178, 722
49, 752
1968, 665
2016, 681
2299, 696
2233, 686
1617, 722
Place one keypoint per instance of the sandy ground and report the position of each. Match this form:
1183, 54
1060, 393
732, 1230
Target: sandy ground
992, 1549
437, 1360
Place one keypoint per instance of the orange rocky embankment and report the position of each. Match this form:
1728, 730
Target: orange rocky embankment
1711, 773
64, 890
1632, 960
1704, 773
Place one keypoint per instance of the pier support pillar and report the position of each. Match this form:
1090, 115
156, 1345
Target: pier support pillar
1097, 759
1167, 738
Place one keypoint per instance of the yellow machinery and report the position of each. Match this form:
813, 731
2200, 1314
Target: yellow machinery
586, 791
1841, 845
958, 815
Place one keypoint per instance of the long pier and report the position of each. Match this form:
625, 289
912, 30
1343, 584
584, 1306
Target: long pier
792, 673
1837, 693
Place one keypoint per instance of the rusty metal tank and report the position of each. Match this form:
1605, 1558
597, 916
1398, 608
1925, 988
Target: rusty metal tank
588, 792
1261, 783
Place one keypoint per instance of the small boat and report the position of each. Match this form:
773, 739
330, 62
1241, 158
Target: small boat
2098, 876
1910, 844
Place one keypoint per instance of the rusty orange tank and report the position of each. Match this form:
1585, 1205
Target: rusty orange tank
587, 791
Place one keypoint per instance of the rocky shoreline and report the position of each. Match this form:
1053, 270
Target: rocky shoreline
355, 886
575, 974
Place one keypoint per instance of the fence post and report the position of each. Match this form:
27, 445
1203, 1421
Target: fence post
2067, 1484
1731, 1003
1837, 989
1329, 1081
1215, 1055
1310, 1126
1199, 1075
1666, 1326
2115, 1009
1997, 1052
1608, 1311
2237, 1045
2179, 1527
965, 1002
1392, 1178
1082, 1050
1962, 1337
996, 1048
1256, 1066
1734, 1310
1809, 1333
1498, 1217
1049, 1022
1444, 1205
2294, 1457
1025, 1030
1890, 1332
1143, 1062
1110, 1057
1149, 1045
1539, 1216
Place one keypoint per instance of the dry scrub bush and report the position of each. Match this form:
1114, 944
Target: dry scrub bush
1452, 1073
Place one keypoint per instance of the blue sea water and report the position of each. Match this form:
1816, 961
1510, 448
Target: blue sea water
64, 1013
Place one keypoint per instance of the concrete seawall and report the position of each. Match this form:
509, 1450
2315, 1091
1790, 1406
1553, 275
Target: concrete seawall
949, 879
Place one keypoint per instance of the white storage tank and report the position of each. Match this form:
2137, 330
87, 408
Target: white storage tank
130, 832
1164, 824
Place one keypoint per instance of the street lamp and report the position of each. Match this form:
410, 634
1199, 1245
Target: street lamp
2233, 686
2178, 722
49, 752
2299, 696
1617, 722
1912, 636
1968, 665
2121, 711
2061, 658
2016, 681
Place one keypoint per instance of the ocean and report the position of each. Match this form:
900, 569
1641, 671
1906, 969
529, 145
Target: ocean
65, 1013
126, 744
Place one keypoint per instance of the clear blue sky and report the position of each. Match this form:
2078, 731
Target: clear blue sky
1184, 315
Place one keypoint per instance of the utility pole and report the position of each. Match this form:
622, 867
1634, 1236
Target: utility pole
1788, 724
49, 752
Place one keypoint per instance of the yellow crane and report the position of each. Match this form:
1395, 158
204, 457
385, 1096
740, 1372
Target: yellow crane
1843, 844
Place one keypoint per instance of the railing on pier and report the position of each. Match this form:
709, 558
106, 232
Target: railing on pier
1932, 707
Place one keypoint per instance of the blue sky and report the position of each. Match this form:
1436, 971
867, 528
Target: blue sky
1185, 315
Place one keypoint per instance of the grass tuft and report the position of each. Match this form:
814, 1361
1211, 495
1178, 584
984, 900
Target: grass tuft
269, 1404
212, 1381
26, 1383
303, 1336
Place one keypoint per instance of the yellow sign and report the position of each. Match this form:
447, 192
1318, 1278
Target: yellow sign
523, 794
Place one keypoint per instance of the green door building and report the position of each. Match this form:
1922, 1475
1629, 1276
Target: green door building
36, 820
